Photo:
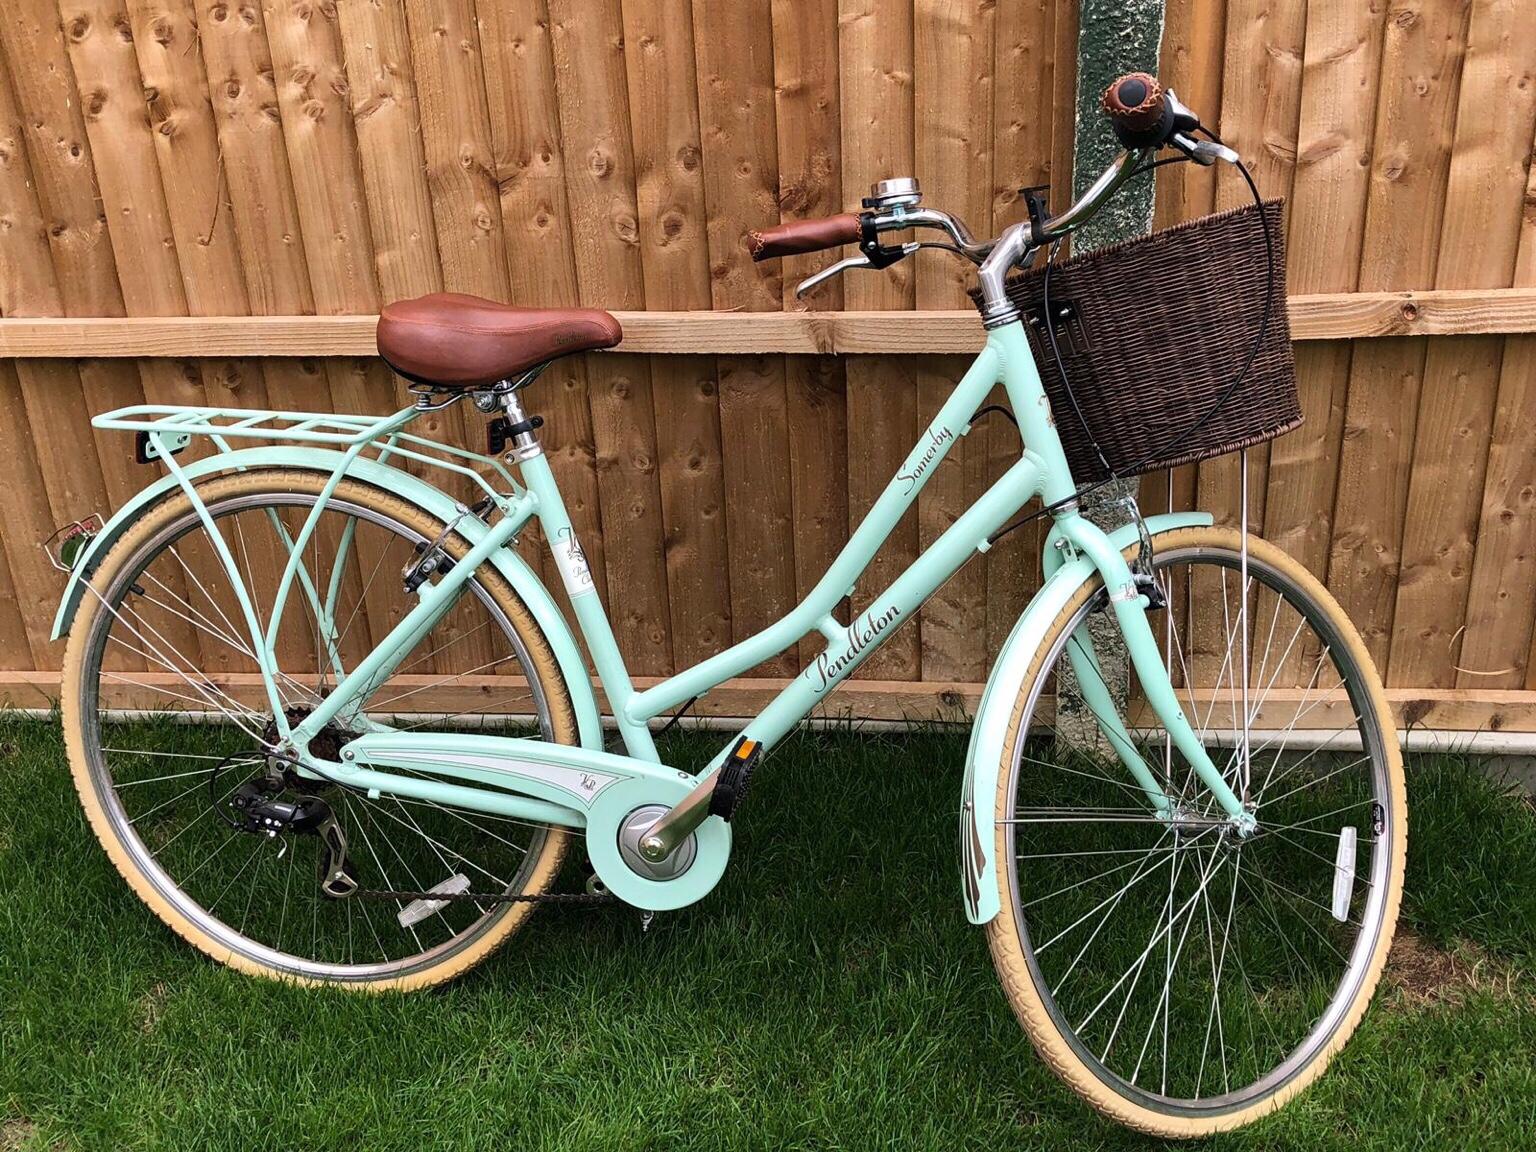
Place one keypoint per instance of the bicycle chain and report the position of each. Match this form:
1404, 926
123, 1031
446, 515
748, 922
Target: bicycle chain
570, 898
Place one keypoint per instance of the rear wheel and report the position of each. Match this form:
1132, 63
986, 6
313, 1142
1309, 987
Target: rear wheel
1183, 978
168, 731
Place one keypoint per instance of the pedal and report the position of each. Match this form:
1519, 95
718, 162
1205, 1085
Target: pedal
735, 774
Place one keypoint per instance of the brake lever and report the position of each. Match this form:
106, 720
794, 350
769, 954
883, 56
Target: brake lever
843, 265
1202, 152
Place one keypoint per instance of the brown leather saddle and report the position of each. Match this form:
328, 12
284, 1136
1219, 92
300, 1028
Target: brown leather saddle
452, 340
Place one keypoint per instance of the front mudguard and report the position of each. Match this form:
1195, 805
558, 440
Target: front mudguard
508, 563
983, 758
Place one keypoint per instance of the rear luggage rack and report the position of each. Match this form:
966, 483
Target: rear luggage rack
163, 430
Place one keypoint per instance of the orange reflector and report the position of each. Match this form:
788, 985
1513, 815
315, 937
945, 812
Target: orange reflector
745, 749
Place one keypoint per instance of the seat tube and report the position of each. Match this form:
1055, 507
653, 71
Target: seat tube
527, 453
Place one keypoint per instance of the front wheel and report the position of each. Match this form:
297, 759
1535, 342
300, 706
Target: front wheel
1182, 977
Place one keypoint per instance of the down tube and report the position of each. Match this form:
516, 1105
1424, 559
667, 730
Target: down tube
899, 603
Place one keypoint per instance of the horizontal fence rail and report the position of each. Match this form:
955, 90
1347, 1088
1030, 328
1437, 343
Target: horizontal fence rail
1340, 316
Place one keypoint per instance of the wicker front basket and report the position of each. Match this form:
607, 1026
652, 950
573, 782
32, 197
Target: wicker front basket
1152, 333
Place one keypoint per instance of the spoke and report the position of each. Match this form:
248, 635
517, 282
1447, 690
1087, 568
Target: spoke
197, 619
362, 598
1113, 897
159, 779
187, 792
362, 826
166, 755
1102, 852
1086, 818
175, 553
484, 710
1266, 829
452, 812
1147, 866
1286, 890
230, 883
383, 705
1076, 884
505, 884
1205, 880
447, 867
1165, 1000
1315, 781
478, 828
203, 685
1129, 789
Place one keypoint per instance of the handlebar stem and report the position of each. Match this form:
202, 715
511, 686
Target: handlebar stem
1015, 244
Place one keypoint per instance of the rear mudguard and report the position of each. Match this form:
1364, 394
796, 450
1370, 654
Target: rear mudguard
978, 798
508, 563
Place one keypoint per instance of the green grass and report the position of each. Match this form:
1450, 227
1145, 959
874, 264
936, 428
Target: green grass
829, 994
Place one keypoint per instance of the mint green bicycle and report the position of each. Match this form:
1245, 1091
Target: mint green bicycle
332, 728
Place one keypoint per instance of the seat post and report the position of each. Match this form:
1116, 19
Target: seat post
524, 432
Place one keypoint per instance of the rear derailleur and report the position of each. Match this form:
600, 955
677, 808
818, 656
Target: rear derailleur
259, 807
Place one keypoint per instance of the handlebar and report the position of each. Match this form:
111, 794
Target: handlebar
1139, 111
1145, 117
796, 236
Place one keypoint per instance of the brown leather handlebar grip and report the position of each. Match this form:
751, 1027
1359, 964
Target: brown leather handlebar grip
1135, 102
796, 236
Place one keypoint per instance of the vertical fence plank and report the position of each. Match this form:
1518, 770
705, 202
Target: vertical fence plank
875, 96
1478, 247
26, 275
1415, 113
810, 184
28, 519
1496, 650
311, 84
674, 247
192, 174
451, 102
530, 174
735, 66
1191, 64
587, 38
1194, 36
1260, 107
954, 60
99, 36
1023, 97
100, 42
1341, 63
187, 153
242, 81
381, 84
310, 78
386, 117
57, 167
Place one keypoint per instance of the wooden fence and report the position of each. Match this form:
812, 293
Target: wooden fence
207, 200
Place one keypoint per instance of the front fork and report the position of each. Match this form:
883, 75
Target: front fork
1130, 605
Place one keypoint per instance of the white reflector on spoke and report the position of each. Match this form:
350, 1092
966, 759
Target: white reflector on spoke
418, 910
1344, 873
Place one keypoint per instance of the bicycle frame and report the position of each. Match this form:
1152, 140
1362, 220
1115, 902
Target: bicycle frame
571, 786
